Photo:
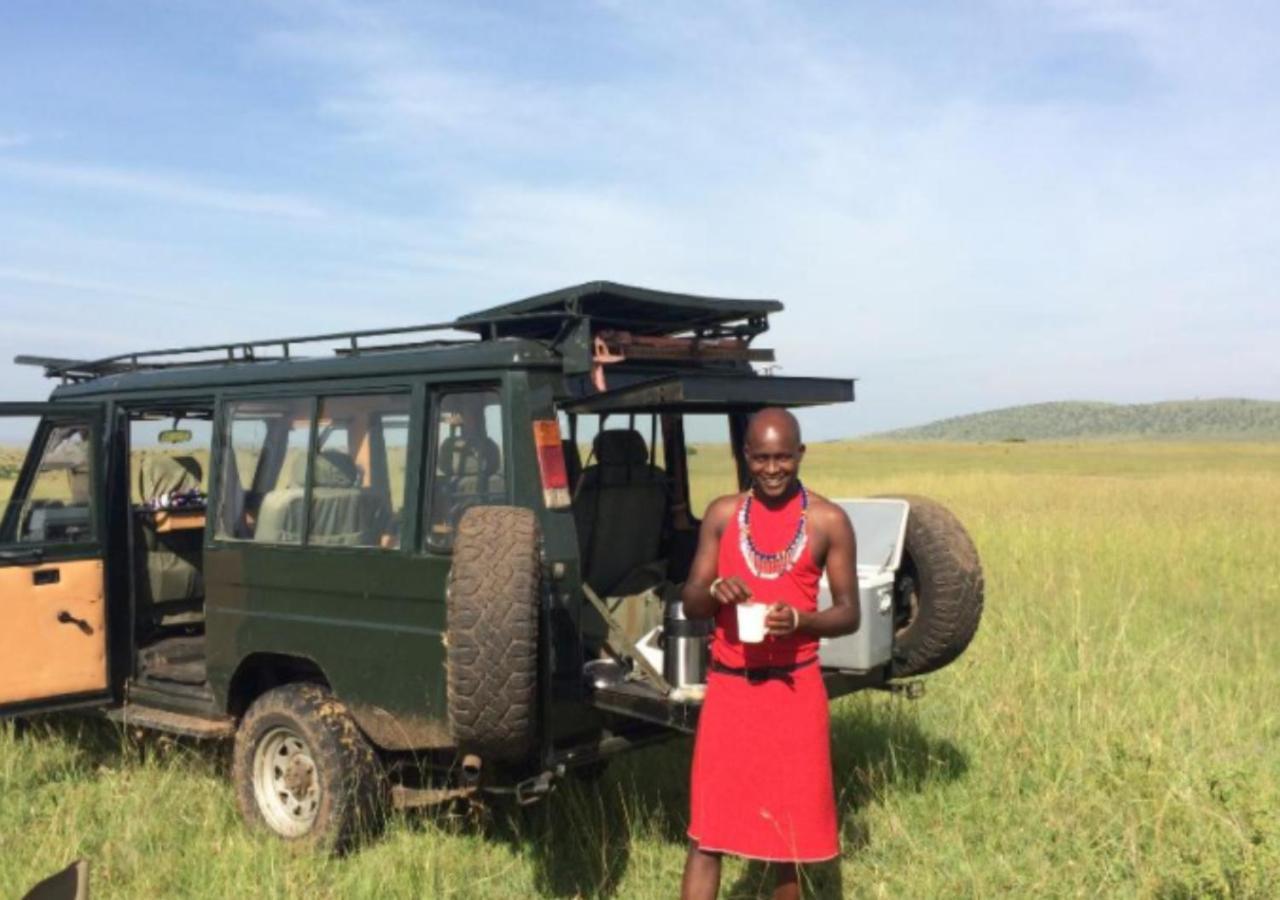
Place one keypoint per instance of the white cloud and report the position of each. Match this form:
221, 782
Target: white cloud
943, 210
162, 187
88, 286
762, 155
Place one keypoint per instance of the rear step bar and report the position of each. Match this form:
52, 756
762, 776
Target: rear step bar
640, 701
175, 723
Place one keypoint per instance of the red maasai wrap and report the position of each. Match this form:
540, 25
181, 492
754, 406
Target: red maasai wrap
761, 784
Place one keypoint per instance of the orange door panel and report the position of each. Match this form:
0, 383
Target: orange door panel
52, 630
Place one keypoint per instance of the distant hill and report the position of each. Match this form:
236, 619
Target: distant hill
1230, 419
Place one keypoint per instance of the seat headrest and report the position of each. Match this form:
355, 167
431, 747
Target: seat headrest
621, 447
164, 474
334, 469
468, 456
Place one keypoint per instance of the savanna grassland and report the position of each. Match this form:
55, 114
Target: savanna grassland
1114, 729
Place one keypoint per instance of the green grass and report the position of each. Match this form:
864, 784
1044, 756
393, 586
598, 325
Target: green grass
1112, 731
10, 464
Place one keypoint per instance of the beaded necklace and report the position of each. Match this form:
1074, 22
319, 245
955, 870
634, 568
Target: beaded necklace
771, 565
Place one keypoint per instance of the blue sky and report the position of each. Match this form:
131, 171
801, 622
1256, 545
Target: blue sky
965, 205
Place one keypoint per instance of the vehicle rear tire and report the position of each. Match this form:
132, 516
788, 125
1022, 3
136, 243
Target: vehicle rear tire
303, 770
938, 596
494, 588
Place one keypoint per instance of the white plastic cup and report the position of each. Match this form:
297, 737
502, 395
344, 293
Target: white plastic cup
751, 628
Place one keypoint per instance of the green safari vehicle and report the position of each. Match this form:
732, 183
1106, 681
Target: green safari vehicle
421, 567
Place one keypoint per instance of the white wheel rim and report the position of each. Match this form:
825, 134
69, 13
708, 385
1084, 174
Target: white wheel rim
286, 783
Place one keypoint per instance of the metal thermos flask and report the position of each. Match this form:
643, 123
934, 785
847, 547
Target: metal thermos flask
685, 646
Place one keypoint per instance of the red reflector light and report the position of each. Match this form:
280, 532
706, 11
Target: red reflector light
551, 467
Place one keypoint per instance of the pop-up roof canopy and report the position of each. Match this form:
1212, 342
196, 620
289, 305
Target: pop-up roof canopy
714, 393
617, 306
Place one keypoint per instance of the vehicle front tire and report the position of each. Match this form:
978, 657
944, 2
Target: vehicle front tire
303, 770
938, 596
492, 635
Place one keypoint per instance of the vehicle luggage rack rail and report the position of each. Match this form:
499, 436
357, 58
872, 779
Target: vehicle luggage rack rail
277, 350
561, 320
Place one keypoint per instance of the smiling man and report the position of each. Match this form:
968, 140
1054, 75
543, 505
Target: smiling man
761, 784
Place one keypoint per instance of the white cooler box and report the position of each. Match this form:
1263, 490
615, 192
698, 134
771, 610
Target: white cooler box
881, 527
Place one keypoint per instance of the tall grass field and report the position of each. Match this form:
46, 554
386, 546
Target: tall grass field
1114, 730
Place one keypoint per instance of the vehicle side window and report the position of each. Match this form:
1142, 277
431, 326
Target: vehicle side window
394, 427
359, 471
469, 460
264, 470
17, 444
57, 507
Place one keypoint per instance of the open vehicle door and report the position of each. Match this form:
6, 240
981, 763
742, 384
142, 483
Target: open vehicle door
53, 635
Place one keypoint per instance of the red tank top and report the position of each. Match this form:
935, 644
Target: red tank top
771, 531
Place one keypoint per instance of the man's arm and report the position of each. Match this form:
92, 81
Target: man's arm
696, 596
842, 579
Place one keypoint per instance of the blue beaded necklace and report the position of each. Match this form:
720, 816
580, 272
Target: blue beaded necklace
771, 565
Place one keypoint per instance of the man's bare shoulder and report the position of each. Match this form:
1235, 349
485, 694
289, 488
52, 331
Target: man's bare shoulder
721, 509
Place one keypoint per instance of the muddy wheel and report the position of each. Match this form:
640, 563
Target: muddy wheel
304, 771
492, 636
939, 593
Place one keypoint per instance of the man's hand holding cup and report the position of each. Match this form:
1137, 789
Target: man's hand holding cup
730, 590
782, 620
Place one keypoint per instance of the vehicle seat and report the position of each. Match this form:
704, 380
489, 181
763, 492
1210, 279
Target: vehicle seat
279, 519
468, 473
621, 513
341, 512
167, 564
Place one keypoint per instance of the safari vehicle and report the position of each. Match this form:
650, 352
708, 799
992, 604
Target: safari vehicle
390, 575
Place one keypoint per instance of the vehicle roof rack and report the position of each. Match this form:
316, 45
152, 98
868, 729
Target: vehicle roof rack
566, 319
276, 350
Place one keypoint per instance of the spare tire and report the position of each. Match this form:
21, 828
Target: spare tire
492, 632
939, 590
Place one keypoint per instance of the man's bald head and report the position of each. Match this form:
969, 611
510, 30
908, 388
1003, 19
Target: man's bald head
773, 452
773, 419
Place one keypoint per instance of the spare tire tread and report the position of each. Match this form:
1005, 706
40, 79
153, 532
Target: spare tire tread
492, 658
949, 586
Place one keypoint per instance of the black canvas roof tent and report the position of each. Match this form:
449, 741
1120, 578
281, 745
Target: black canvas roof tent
618, 306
